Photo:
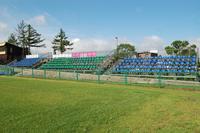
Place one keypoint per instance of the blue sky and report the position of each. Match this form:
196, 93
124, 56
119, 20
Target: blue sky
95, 23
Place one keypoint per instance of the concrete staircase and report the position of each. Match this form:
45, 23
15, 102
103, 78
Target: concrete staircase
42, 61
107, 65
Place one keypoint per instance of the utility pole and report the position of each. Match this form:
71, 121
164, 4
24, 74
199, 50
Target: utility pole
117, 41
198, 54
197, 57
197, 64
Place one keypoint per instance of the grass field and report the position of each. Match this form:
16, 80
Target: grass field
36, 105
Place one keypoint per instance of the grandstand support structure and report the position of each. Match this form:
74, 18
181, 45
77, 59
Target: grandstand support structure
29, 62
109, 71
42, 61
12, 62
107, 64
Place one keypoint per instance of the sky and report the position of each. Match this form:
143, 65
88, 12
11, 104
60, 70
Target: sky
93, 24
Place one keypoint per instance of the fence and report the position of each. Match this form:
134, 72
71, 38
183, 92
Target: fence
5, 70
126, 79
158, 80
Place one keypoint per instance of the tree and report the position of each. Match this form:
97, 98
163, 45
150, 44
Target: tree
181, 48
124, 50
12, 39
169, 50
33, 38
60, 42
28, 37
22, 34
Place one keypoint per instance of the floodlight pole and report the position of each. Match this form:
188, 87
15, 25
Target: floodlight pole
197, 64
197, 56
117, 41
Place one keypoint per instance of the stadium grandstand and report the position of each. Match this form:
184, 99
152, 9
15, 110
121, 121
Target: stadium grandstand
158, 64
74, 61
81, 63
102, 62
31, 61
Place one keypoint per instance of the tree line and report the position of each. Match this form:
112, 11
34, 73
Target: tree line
26, 36
178, 47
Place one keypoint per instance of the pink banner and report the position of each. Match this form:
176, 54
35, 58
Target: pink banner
83, 54
76, 55
91, 54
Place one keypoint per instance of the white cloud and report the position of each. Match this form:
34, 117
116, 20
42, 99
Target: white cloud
151, 43
4, 31
86, 44
3, 26
93, 44
75, 40
38, 20
43, 50
100, 44
196, 41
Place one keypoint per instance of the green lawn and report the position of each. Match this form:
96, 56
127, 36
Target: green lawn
36, 105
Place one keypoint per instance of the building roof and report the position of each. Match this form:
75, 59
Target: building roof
4, 43
151, 51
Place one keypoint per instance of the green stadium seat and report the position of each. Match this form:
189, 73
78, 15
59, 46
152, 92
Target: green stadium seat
83, 63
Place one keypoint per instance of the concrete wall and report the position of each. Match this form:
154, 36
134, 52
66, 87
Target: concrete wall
107, 78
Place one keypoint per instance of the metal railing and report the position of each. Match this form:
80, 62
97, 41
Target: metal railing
158, 80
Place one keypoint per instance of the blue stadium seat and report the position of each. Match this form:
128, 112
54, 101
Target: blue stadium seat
160, 64
26, 62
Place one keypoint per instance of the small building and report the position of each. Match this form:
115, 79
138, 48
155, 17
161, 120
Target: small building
151, 53
10, 52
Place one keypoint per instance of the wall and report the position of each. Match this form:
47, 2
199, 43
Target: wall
99, 78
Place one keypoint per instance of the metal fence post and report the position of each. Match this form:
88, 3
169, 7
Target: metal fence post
22, 71
45, 73
98, 76
76, 76
10, 71
59, 74
13, 71
125, 78
32, 73
160, 81
7, 70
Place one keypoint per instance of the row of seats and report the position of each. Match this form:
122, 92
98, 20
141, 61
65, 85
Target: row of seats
139, 60
26, 62
3, 73
155, 67
60, 66
132, 71
169, 57
83, 63
166, 64
161, 63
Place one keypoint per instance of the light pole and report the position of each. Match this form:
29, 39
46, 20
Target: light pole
117, 41
197, 55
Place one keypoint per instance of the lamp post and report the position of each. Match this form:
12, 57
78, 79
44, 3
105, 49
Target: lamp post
117, 41
197, 56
